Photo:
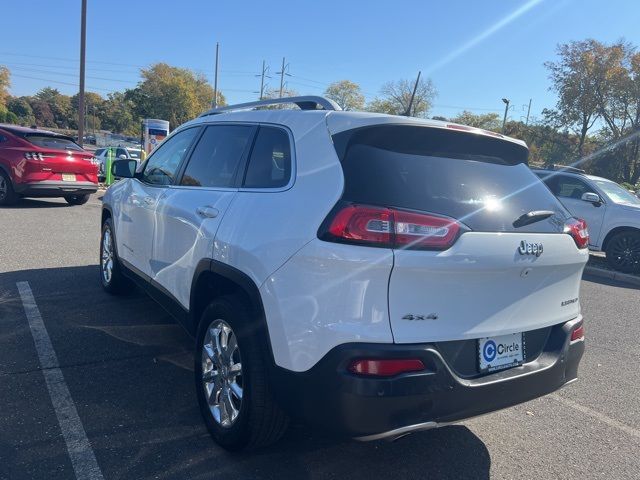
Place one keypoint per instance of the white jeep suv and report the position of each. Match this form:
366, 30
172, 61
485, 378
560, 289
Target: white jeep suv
611, 211
371, 274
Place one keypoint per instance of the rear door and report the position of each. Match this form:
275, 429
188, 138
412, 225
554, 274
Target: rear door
492, 275
188, 216
569, 190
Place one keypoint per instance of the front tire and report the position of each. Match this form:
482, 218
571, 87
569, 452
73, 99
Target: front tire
77, 199
232, 384
8, 195
111, 276
623, 252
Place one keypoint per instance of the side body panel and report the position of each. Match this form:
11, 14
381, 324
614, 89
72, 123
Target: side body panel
326, 295
187, 219
263, 228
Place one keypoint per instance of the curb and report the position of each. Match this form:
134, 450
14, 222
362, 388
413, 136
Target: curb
611, 275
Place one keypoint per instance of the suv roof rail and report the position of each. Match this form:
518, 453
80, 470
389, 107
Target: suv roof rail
310, 102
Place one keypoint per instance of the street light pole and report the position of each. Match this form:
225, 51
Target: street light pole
83, 42
215, 79
506, 109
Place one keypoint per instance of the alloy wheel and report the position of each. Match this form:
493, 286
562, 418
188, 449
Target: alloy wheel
107, 256
222, 373
626, 252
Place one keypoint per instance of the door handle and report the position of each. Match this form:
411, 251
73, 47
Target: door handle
207, 212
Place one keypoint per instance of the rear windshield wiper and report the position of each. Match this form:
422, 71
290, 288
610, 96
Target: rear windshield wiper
532, 217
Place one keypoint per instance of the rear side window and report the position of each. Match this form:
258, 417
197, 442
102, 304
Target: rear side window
216, 158
567, 187
51, 141
99, 152
481, 181
270, 161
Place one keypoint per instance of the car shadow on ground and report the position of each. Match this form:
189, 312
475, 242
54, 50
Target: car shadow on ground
25, 203
128, 369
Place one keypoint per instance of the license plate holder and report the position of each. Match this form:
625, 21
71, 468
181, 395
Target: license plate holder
68, 177
500, 352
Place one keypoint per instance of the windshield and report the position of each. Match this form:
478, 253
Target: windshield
134, 153
52, 141
616, 193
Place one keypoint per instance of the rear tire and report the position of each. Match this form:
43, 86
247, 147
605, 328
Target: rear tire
111, 276
8, 195
77, 199
623, 252
256, 420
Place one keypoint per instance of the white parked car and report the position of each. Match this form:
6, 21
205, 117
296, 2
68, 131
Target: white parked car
371, 274
611, 212
119, 153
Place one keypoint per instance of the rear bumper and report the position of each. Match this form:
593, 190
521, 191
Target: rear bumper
55, 188
330, 397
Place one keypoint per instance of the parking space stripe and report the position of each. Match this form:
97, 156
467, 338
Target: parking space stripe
597, 415
82, 457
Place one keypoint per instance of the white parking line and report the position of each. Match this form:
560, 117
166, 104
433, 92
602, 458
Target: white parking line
597, 415
82, 457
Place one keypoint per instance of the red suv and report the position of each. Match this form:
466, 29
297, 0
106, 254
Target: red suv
39, 163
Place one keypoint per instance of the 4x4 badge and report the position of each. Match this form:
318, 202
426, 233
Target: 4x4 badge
527, 248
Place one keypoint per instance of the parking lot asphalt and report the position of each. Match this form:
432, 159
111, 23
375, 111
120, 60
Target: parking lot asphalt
127, 370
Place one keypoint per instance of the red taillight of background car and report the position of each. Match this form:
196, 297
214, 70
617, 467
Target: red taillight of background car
577, 228
385, 367
391, 228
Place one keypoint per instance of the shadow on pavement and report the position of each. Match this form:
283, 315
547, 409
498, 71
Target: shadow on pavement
126, 364
25, 203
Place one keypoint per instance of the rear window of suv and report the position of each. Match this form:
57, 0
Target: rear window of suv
481, 181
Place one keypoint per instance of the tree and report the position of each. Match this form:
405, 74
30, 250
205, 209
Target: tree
171, 93
118, 115
59, 105
5, 83
487, 121
94, 110
396, 95
21, 108
347, 94
575, 80
42, 113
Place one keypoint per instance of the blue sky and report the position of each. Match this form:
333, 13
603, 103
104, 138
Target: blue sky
476, 52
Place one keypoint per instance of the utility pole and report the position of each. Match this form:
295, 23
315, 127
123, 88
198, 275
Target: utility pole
283, 71
83, 44
413, 94
528, 112
262, 76
506, 109
215, 79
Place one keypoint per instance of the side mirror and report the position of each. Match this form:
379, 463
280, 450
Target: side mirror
591, 197
124, 168
122, 157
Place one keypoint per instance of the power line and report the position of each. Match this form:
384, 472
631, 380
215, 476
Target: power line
62, 83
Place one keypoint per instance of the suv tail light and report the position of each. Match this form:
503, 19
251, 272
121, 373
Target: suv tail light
577, 228
391, 228
385, 367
